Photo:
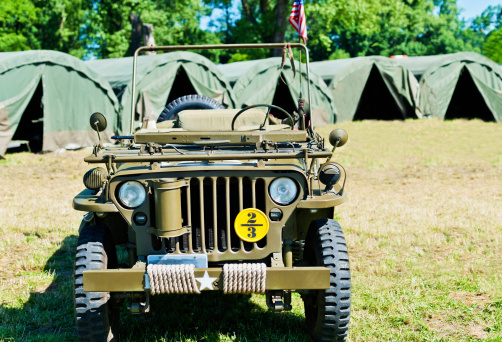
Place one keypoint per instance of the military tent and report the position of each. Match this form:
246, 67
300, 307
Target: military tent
462, 85
161, 79
417, 65
370, 88
232, 71
265, 83
47, 97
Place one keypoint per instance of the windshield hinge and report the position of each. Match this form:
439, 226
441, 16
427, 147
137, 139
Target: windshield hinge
151, 148
266, 145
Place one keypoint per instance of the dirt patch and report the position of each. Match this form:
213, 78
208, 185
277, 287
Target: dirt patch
471, 298
478, 331
442, 328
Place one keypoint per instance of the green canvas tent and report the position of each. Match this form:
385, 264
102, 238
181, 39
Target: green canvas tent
462, 85
161, 79
417, 65
370, 88
47, 97
232, 71
262, 84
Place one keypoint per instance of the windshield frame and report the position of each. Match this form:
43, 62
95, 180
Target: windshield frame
218, 47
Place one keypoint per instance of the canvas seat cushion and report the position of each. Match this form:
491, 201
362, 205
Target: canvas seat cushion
218, 119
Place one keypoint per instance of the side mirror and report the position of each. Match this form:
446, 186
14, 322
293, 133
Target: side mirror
98, 122
338, 135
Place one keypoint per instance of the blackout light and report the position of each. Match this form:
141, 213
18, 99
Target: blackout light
275, 214
140, 219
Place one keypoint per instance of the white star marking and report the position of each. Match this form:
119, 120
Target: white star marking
206, 282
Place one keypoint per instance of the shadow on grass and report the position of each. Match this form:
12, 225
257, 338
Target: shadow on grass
48, 313
211, 316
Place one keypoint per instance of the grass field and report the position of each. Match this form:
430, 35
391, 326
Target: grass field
423, 224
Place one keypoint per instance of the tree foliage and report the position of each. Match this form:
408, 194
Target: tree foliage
350, 28
389, 27
488, 28
493, 46
108, 28
18, 20
337, 29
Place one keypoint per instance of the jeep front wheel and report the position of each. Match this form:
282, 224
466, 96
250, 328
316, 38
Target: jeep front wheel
96, 317
327, 312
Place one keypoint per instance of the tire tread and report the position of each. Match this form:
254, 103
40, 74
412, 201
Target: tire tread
91, 308
325, 244
170, 112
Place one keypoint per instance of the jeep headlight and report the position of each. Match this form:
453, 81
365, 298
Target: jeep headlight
132, 194
283, 190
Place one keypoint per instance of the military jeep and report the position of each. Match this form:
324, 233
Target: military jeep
228, 200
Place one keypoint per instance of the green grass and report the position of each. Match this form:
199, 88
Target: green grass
423, 223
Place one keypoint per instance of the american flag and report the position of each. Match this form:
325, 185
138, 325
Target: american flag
297, 19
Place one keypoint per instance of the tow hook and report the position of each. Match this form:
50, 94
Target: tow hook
279, 301
139, 303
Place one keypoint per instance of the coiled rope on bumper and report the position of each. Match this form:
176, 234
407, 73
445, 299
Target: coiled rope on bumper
172, 279
244, 278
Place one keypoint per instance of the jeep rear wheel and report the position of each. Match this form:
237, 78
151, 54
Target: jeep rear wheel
96, 317
327, 312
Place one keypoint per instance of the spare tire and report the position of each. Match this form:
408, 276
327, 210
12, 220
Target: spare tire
187, 102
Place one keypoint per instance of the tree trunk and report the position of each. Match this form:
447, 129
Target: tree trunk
148, 39
136, 33
247, 12
280, 24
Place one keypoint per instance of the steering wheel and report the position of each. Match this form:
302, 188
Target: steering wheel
292, 122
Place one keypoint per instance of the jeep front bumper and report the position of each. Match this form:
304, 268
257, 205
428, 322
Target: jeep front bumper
277, 278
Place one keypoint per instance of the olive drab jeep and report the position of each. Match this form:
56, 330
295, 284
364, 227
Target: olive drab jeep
213, 199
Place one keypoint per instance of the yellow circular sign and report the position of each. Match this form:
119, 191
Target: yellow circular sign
251, 225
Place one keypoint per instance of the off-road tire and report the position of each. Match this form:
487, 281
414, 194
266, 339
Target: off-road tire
96, 318
187, 102
327, 312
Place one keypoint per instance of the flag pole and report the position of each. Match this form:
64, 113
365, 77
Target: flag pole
301, 101
297, 19
300, 40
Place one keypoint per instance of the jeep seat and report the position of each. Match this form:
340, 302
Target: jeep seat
207, 120
218, 119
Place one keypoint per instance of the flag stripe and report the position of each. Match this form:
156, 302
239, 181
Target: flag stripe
297, 19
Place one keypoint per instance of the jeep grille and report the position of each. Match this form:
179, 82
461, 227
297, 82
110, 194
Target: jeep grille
212, 203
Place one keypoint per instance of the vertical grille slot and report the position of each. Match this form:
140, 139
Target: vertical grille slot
241, 206
234, 210
261, 193
248, 202
210, 206
207, 221
195, 215
222, 221
228, 213
202, 218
